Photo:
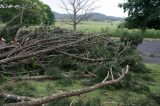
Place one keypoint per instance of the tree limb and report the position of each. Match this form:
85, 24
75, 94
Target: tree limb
60, 95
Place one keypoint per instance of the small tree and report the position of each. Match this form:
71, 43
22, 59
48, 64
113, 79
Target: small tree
78, 10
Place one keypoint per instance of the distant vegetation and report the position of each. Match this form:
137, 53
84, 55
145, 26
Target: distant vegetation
111, 28
100, 23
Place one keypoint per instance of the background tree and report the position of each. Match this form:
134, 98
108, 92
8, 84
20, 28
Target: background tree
35, 12
142, 14
78, 10
50, 16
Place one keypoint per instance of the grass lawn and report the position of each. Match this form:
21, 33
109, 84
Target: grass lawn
155, 88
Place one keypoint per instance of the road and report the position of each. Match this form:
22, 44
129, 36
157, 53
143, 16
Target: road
150, 51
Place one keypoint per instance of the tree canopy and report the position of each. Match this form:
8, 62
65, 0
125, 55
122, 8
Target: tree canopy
142, 14
34, 11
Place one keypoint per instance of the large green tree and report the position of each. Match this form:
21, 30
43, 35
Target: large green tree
31, 11
142, 14
50, 16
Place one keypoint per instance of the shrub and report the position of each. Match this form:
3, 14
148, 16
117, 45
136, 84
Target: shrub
132, 39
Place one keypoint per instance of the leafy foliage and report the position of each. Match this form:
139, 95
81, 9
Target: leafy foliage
142, 13
134, 40
34, 12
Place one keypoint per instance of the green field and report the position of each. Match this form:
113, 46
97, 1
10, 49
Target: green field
110, 28
91, 26
155, 88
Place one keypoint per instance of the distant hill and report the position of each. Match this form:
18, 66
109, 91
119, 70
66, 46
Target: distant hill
92, 16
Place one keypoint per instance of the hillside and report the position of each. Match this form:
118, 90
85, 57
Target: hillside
92, 16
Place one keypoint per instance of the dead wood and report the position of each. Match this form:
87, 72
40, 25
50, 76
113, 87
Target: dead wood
41, 51
13, 97
61, 76
21, 57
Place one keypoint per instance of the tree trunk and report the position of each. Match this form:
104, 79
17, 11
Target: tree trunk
74, 27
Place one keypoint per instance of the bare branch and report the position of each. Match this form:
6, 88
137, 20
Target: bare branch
78, 10
20, 57
82, 58
106, 77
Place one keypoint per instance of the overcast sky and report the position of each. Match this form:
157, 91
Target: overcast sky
107, 7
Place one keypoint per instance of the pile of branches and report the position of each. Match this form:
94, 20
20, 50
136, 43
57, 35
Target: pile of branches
43, 48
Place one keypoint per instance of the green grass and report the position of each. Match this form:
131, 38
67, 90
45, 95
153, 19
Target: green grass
155, 70
46, 88
91, 26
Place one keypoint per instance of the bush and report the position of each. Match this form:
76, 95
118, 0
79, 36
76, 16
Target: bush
132, 39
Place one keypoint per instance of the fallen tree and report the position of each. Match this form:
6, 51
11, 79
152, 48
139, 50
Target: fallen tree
50, 54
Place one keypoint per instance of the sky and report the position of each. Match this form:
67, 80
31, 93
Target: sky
107, 7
